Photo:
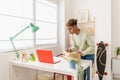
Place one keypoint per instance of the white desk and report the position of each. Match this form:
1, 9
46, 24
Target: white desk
61, 67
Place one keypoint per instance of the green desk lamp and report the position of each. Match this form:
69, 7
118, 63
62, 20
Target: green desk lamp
33, 28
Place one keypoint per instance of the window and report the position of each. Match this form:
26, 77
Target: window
15, 15
46, 17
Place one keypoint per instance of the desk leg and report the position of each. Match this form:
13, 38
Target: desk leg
76, 76
11, 72
90, 70
90, 63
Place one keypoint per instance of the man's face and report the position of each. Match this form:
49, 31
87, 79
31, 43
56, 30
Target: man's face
71, 29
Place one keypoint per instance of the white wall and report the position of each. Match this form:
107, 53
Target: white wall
101, 9
115, 27
61, 23
64, 8
115, 24
4, 66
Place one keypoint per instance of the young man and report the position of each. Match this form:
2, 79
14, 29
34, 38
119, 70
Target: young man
81, 41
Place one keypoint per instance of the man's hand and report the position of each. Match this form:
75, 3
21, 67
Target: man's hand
68, 50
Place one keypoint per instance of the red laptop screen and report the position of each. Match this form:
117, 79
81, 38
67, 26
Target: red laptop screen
45, 56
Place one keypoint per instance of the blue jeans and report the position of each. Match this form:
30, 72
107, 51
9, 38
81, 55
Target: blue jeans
87, 71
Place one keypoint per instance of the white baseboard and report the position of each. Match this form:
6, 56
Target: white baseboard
116, 75
104, 78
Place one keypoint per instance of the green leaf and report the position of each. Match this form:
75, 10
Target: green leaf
80, 72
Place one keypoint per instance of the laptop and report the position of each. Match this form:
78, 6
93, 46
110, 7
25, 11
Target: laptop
46, 56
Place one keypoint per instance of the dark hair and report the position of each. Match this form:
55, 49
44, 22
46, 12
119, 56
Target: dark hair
71, 22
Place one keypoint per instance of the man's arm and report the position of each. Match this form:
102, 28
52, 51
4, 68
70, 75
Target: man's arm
90, 42
73, 44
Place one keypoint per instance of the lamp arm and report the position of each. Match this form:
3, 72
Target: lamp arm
12, 38
19, 33
16, 52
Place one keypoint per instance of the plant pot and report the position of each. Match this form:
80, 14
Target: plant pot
72, 65
118, 56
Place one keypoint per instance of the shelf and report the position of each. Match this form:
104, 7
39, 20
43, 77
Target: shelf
88, 22
115, 65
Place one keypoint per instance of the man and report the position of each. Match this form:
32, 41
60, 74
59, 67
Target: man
81, 41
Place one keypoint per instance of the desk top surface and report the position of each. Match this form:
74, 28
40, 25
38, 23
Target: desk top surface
61, 67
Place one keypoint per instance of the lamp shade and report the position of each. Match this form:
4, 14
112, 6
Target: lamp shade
33, 27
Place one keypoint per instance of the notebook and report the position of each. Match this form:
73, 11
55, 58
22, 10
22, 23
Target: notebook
46, 56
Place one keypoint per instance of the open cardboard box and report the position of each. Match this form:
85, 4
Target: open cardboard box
67, 55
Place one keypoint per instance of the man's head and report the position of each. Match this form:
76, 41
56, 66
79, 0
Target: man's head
71, 25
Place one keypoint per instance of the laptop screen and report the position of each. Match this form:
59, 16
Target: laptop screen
45, 56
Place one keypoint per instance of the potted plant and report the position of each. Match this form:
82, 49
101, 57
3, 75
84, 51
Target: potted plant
74, 61
117, 51
80, 72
